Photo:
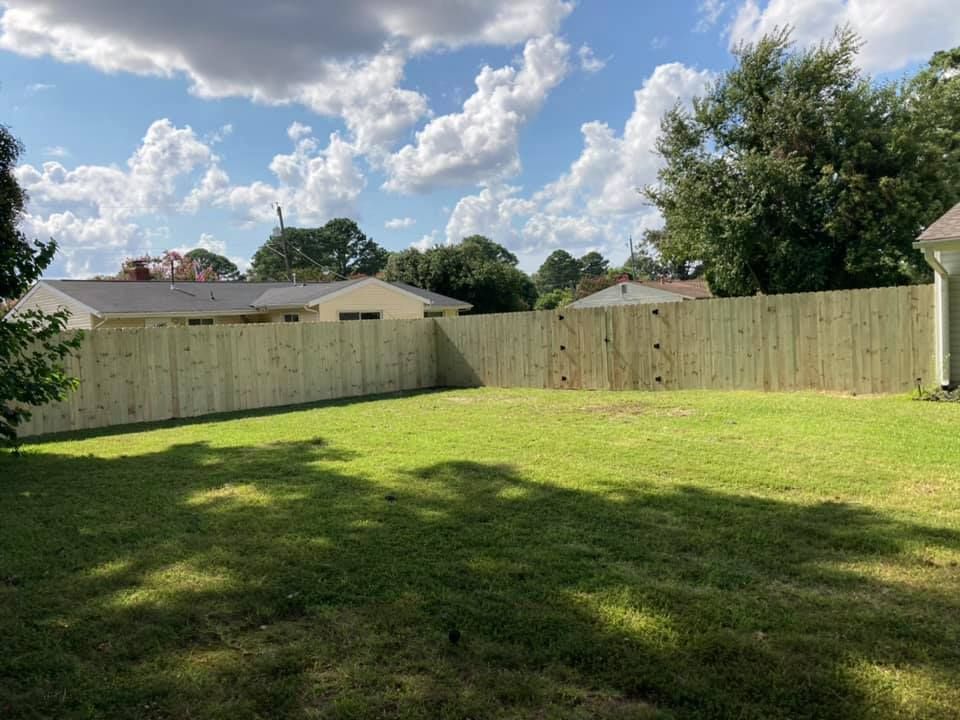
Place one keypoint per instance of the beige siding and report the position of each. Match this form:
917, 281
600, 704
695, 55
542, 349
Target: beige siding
48, 301
394, 305
951, 263
166, 321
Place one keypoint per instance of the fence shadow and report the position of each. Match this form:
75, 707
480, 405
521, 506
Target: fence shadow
270, 581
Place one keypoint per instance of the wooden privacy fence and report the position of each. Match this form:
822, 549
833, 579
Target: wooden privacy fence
862, 340
878, 340
142, 374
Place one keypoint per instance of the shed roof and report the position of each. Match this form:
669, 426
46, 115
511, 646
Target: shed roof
635, 293
946, 227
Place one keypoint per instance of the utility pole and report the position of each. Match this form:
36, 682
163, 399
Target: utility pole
633, 260
283, 240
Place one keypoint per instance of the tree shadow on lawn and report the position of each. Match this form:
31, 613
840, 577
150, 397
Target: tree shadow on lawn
268, 581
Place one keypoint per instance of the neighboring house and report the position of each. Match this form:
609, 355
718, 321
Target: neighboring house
124, 303
940, 244
630, 292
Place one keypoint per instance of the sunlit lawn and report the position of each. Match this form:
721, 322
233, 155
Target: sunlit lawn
602, 555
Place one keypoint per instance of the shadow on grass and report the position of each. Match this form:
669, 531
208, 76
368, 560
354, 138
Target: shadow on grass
224, 416
269, 582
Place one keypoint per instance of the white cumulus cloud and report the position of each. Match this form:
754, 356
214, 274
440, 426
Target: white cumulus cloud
709, 12
895, 33
589, 62
595, 203
399, 223
336, 58
610, 168
480, 143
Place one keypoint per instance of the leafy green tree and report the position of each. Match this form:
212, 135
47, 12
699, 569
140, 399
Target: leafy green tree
796, 172
222, 267
477, 271
32, 351
560, 270
553, 299
594, 264
670, 266
198, 265
593, 283
338, 249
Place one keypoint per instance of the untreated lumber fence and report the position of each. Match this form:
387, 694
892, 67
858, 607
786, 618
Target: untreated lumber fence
864, 341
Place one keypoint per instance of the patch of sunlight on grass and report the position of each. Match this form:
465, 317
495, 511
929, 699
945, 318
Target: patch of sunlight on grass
908, 688
209, 660
619, 612
365, 524
513, 493
246, 494
173, 581
431, 515
109, 568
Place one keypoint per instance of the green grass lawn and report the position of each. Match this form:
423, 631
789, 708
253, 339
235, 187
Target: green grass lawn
603, 555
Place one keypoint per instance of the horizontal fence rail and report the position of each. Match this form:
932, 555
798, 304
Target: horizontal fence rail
865, 341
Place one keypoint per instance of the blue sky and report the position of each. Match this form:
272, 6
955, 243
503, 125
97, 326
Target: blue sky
529, 121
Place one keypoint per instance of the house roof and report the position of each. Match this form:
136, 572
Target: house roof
694, 289
109, 297
947, 227
288, 295
436, 299
633, 293
128, 297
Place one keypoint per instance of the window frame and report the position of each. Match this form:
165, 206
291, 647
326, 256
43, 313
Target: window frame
295, 317
201, 321
359, 315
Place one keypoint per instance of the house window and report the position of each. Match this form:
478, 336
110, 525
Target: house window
291, 317
199, 321
369, 315
432, 313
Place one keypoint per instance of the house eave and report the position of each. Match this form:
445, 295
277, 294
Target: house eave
947, 243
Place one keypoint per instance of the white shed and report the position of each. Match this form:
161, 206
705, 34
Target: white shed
940, 244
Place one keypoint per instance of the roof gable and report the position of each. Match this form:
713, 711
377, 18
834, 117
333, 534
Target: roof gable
946, 227
632, 292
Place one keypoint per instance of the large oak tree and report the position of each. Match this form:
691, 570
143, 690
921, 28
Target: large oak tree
797, 172
477, 270
339, 249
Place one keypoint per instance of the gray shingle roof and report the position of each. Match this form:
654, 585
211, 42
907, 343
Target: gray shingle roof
947, 227
436, 299
635, 293
296, 295
129, 297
